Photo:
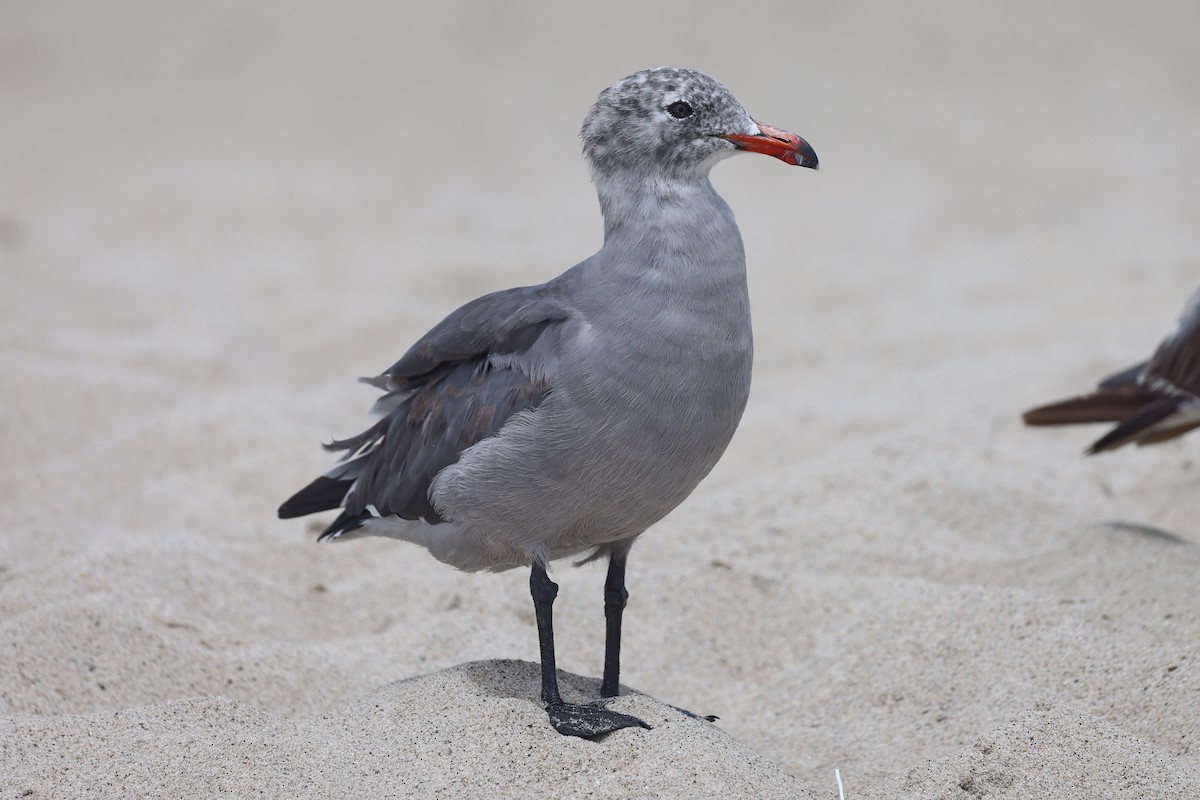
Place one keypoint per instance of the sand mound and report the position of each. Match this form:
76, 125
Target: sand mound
471, 731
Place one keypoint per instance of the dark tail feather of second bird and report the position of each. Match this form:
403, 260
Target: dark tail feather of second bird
1136, 413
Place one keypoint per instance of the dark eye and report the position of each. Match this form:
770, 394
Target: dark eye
679, 109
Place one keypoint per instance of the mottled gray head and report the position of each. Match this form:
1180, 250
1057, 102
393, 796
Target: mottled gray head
672, 121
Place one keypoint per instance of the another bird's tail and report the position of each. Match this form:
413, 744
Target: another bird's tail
1145, 427
1139, 417
1099, 407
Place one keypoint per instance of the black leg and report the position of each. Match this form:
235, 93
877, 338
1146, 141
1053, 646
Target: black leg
544, 591
615, 596
567, 718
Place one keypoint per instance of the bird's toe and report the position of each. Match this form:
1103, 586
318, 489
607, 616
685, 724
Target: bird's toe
694, 715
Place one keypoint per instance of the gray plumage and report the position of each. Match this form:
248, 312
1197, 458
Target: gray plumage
564, 419
1151, 402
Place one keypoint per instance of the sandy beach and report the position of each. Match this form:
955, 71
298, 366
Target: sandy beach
214, 217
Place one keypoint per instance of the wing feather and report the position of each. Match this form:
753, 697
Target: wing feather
458, 385
1149, 401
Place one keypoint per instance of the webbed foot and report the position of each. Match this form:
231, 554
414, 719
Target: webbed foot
589, 721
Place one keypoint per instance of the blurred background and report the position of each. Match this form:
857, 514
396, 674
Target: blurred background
161, 164
214, 216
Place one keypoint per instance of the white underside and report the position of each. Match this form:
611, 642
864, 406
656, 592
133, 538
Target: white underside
448, 542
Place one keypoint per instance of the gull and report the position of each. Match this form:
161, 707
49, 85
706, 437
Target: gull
562, 420
1151, 402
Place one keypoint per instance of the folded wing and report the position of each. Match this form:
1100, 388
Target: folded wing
1151, 402
455, 387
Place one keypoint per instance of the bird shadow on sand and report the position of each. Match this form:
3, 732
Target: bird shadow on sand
521, 680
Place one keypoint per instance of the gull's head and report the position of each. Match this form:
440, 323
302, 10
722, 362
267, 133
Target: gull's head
678, 122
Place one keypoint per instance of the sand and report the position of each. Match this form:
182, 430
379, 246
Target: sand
213, 218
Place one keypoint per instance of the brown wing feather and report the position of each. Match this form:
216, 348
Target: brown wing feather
1163, 434
1098, 407
1141, 397
1136, 427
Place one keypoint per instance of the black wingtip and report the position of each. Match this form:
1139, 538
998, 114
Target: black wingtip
345, 523
323, 494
